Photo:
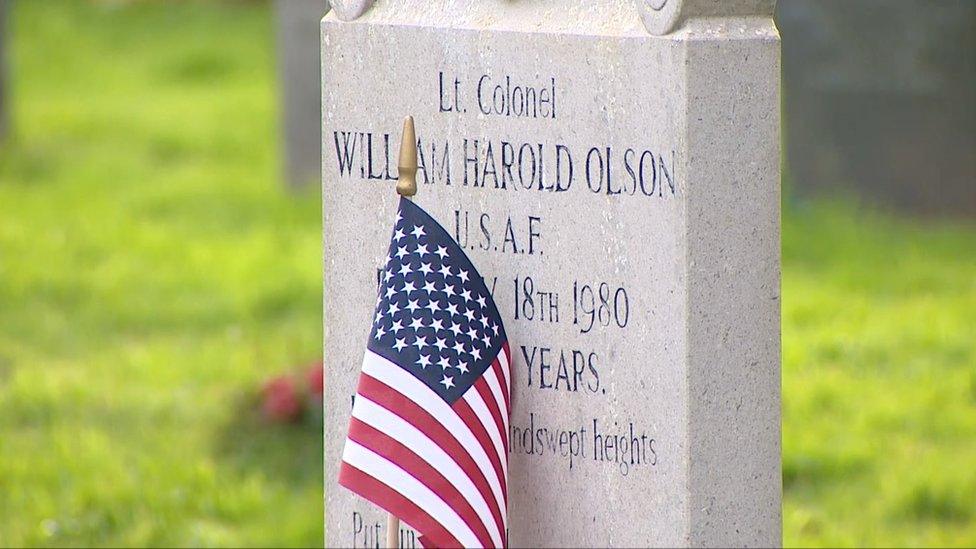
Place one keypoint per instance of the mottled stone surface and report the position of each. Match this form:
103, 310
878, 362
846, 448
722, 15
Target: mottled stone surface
879, 101
299, 80
637, 204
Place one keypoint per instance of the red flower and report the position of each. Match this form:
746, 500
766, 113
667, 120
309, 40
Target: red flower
281, 402
314, 378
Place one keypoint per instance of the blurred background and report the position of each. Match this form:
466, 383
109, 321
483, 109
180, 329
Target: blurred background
160, 272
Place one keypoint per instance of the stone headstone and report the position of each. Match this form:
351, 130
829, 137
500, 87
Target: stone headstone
879, 98
300, 78
612, 169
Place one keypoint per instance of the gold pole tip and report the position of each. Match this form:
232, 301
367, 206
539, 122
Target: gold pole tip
407, 176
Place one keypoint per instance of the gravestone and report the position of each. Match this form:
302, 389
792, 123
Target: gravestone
879, 101
612, 169
299, 80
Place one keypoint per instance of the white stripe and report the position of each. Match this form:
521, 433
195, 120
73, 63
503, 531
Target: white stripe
496, 391
404, 432
506, 365
473, 398
390, 474
409, 386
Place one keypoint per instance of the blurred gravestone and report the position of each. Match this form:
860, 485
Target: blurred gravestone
880, 97
299, 74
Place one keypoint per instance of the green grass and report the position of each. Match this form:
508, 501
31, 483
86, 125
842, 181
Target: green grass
153, 273
879, 380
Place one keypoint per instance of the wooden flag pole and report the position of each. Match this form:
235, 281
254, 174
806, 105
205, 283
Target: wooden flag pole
392, 531
406, 187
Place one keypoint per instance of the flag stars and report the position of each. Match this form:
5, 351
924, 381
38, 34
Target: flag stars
420, 343
447, 382
433, 311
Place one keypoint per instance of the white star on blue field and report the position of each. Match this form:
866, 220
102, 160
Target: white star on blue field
434, 315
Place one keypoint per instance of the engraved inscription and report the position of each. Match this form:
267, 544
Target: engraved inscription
593, 313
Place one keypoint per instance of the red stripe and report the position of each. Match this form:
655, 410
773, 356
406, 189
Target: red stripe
409, 461
502, 383
470, 419
496, 367
482, 387
409, 411
393, 502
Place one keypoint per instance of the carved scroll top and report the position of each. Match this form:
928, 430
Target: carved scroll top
660, 17
349, 10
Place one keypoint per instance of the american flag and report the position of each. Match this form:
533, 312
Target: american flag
428, 436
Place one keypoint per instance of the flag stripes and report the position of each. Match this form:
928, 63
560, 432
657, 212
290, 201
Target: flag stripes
419, 468
380, 421
451, 459
375, 391
368, 486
